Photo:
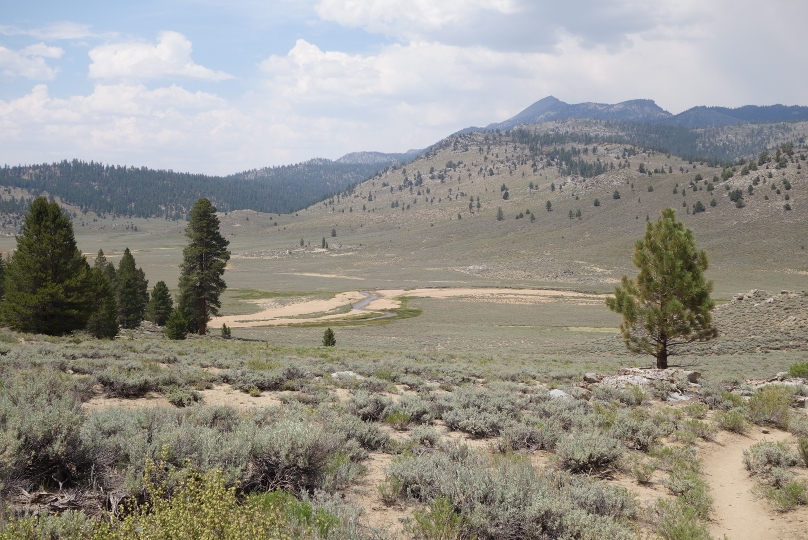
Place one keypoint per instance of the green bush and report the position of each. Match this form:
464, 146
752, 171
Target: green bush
799, 369
202, 507
802, 448
441, 522
771, 405
678, 521
180, 396
176, 325
69, 525
732, 420
787, 496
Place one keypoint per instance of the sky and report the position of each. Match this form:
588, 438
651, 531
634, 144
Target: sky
222, 86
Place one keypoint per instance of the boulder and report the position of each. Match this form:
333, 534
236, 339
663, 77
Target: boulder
592, 377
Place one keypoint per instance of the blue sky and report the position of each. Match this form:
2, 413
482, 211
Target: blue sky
222, 86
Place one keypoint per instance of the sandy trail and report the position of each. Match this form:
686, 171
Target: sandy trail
380, 301
738, 514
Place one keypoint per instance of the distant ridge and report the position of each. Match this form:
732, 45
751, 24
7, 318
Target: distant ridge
380, 158
647, 111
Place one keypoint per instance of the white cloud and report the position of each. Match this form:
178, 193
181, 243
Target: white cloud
64, 30
408, 17
164, 127
29, 62
170, 57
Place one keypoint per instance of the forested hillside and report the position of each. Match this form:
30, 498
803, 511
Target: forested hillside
144, 192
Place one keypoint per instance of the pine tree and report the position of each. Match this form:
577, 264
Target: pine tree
47, 278
669, 302
329, 340
160, 304
204, 261
132, 291
176, 325
103, 323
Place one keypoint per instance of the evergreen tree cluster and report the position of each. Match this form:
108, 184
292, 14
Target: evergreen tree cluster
48, 287
143, 192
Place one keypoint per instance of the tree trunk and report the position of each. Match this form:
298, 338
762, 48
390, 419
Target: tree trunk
203, 317
662, 358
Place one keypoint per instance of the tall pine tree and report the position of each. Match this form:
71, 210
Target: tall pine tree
204, 261
132, 291
47, 278
103, 323
668, 303
160, 304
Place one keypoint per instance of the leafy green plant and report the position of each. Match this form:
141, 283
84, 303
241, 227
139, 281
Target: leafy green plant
802, 448
732, 420
398, 420
441, 522
799, 369
771, 405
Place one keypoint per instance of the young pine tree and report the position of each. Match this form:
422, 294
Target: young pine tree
668, 303
204, 261
103, 323
160, 304
176, 325
132, 291
47, 278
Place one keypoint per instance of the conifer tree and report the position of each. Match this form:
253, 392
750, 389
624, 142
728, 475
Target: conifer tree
204, 261
176, 325
103, 323
160, 304
668, 303
132, 291
47, 278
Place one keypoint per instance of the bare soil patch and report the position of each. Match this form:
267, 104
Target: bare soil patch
385, 300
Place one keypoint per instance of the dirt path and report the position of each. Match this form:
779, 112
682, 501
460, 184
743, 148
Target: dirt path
738, 514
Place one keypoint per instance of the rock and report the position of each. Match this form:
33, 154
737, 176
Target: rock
692, 376
342, 375
677, 397
559, 394
592, 377
781, 376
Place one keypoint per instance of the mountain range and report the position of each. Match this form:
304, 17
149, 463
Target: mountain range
647, 111
106, 189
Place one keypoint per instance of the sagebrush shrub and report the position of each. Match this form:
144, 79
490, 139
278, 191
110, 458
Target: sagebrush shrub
588, 452
40, 418
508, 498
763, 456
